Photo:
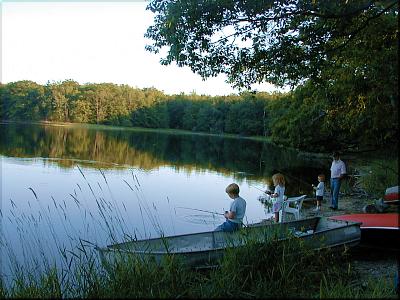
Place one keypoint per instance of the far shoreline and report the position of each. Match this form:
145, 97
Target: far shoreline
304, 153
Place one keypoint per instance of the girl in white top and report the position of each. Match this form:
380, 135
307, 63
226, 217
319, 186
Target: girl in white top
278, 195
319, 191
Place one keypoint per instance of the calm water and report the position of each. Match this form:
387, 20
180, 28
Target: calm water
61, 184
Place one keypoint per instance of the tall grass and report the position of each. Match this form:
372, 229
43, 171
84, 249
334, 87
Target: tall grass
270, 269
374, 288
46, 257
379, 174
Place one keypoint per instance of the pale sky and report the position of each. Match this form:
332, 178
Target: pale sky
91, 42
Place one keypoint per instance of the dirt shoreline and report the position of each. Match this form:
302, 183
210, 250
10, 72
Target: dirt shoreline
369, 263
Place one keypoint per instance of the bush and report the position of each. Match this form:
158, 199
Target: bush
378, 175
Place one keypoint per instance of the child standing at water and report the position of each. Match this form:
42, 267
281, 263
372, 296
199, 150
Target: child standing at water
278, 195
319, 191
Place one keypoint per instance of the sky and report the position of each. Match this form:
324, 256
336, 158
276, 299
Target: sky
92, 42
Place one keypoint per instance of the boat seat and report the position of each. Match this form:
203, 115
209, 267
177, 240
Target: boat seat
293, 206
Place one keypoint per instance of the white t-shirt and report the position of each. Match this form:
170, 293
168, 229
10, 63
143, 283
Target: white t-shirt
319, 191
280, 190
337, 168
238, 206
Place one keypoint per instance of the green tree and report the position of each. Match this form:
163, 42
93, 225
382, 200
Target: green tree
176, 109
62, 96
22, 100
82, 112
190, 115
231, 119
346, 51
155, 116
2, 104
283, 42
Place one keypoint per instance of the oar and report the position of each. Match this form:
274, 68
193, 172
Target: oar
207, 211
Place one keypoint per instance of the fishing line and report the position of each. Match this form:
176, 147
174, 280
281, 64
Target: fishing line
294, 177
206, 211
257, 188
202, 219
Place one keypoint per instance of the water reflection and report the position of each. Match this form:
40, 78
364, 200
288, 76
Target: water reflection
68, 146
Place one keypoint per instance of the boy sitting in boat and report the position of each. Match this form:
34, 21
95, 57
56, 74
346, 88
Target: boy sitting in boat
234, 217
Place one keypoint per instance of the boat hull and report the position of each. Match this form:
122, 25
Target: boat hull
207, 248
379, 230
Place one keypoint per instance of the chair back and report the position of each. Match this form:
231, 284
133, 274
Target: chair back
296, 210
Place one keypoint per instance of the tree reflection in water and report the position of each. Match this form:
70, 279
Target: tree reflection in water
97, 147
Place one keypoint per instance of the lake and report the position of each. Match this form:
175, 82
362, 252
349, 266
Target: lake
63, 185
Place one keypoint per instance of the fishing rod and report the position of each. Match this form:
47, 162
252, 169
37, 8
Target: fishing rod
207, 211
257, 188
295, 177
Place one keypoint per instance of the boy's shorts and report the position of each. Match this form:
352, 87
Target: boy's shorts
228, 226
320, 198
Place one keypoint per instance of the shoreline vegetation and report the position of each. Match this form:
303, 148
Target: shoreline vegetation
375, 169
271, 269
169, 131
245, 273
378, 154
140, 129
304, 119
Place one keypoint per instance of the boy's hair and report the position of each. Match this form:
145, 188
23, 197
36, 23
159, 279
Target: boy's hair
278, 178
322, 176
233, 188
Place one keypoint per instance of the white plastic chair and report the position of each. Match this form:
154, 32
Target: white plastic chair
295, 209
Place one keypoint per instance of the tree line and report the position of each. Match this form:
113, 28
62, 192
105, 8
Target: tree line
308, 118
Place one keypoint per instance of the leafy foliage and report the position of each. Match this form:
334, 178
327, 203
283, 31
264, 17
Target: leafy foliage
281, 41
341, 55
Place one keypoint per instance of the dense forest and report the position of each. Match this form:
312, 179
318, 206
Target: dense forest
302, 119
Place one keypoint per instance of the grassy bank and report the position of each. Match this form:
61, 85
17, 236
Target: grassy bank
268, 270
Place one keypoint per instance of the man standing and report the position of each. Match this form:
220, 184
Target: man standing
338, 171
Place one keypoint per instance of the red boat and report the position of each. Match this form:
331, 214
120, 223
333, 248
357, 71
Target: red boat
377, 230
391, 195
